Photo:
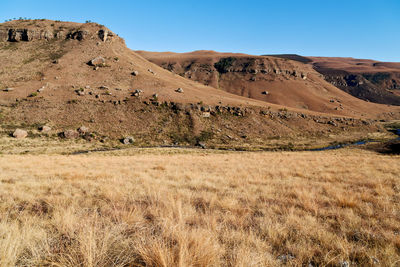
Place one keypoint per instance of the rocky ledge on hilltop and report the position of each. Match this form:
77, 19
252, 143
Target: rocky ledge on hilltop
14, 33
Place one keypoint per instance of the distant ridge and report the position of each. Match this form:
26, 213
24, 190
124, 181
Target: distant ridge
294, 57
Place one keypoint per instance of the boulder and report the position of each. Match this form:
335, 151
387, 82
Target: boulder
80, 92
179, 90
83, 129
135, 73
137, 92
70, 134
206, 114
8, 89
128, 140
45, 129
264, 92
98, 62
20, 134
202, 145
285, 258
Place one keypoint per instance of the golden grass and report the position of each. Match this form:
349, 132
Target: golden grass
167, 208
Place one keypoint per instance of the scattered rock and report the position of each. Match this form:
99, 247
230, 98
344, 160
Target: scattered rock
8, 89
285, 258
206, 114
20, 134
374, 260
135, 73
80, 92
83, 129
128, 140
103, 87
202, 145
45, 129
179, 90
89, 137
98, 62
70, 134
344, 264
137, 92
151, 71
264, 92
332, 123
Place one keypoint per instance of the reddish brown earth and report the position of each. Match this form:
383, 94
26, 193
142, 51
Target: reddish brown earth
46, 63
366, 79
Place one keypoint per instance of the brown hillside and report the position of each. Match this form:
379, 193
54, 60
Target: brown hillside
47, 78
366, 79
270, 79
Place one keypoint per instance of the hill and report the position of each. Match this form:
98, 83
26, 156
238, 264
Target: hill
266, 78
366, 79
66, 75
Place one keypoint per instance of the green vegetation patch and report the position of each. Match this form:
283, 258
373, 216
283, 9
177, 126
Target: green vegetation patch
224, 64
376, 78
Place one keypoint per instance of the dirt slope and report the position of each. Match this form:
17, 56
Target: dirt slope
270, 79
366, 79
46, 78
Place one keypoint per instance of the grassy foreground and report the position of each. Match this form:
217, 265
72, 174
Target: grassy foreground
192, 208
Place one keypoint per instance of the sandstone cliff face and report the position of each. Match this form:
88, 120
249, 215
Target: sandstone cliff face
374, 87
230, 72
25, 32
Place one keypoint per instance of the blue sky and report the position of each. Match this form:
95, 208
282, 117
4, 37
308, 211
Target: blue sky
347, 28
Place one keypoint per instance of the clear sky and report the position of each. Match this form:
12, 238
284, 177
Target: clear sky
347, 28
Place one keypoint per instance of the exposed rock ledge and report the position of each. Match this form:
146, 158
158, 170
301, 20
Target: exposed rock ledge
18, 34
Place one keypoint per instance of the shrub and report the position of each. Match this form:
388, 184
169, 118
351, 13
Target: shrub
224, 64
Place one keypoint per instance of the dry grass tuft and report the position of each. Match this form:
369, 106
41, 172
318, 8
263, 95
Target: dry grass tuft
200, 209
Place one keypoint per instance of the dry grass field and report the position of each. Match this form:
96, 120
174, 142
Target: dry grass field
166, 207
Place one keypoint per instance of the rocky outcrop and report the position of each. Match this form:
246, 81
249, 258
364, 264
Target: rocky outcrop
78, 35
31, 34
98, 62
376, 87
69, 134
104, 35
20, 134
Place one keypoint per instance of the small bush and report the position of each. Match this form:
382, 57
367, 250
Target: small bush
224, 64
